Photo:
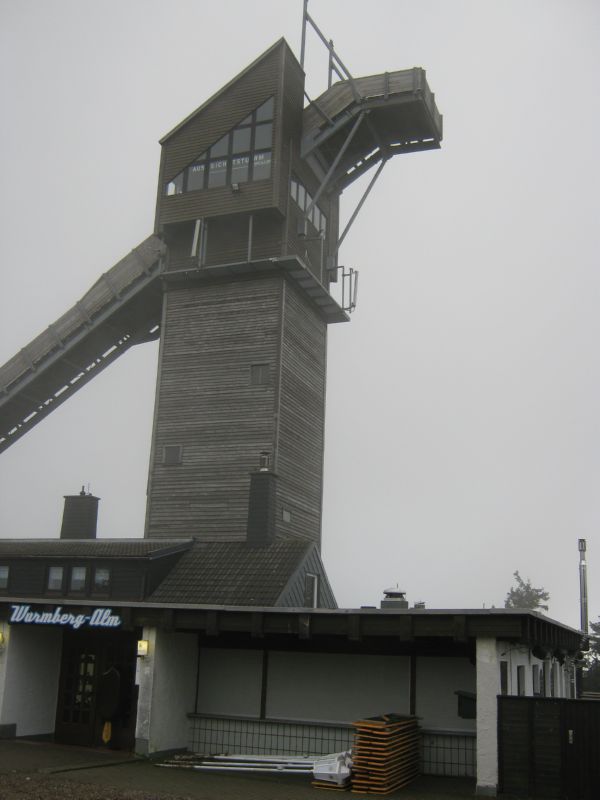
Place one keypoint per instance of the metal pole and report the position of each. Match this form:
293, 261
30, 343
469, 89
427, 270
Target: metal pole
303, 43
583, 586
360, 205
330, 71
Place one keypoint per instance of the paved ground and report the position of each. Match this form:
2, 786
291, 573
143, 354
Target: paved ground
36, 771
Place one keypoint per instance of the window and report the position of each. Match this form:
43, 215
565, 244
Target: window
172, 454
303, 199
535, 679
521, 680
3, 577
55, 579
101, 583
504, 677
286, 515
78, 579
259, 375
311, 590
244, 154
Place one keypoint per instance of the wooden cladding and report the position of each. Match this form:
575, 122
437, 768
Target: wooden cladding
214, 337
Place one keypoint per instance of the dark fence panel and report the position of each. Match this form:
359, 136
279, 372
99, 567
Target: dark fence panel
549, 748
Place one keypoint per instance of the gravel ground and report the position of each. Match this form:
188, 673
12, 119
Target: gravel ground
18, 786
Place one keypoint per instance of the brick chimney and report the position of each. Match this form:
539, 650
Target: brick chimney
261, 527
80, 516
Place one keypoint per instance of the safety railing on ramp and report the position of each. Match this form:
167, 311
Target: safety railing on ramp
121, 309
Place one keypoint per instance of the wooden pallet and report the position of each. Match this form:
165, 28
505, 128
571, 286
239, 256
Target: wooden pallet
385, 754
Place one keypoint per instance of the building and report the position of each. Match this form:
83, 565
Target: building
219, 627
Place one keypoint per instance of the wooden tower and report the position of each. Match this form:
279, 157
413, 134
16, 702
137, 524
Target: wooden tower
236, 282
247, 207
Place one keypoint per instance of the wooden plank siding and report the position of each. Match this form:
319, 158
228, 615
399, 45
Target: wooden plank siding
205, 403
300, 439
213, 120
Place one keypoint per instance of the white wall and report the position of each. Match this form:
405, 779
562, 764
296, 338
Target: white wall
438, 678
166, 679
335, 687
320, 687
488, 688
29, 673
230, 682
519, 655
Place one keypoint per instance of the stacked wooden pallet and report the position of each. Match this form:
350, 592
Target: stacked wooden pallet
385, 754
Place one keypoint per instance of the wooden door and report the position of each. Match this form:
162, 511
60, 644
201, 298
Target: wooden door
87, 657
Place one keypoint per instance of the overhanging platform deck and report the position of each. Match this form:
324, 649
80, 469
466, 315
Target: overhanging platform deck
400, 116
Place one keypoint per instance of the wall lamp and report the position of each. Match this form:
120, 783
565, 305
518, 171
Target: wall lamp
142, 648
2, 641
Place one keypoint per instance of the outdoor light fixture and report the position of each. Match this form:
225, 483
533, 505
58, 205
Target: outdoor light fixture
2, 640
142, 648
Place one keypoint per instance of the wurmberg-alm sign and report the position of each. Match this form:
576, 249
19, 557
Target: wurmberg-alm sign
99, 618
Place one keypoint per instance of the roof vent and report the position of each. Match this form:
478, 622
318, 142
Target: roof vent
394, 598
80, 516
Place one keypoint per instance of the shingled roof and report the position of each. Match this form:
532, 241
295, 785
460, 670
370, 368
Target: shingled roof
233, 573
91, 548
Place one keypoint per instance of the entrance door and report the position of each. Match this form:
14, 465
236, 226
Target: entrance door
87, 659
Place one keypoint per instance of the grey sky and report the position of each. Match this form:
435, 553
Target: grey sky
463, 434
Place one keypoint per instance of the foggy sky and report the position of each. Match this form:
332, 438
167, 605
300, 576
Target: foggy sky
463, 432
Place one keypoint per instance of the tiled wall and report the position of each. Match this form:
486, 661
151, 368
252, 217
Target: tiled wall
451, 754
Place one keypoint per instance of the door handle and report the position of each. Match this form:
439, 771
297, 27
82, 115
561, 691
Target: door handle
571, 734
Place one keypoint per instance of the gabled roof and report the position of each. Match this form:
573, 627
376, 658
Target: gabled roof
91, 548
279, 43
233, 573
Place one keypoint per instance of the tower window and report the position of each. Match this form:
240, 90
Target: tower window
172, 454
4, 577
244, 154
260, 375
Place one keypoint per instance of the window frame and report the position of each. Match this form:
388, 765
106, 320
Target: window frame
86, 577
4, 585
63, 573
94, 588
251, 122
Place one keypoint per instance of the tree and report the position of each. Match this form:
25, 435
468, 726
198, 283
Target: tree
591, 668
524, 595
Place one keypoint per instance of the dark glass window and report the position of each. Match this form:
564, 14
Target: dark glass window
241, 140
175, 186
265, 111
172, 454
101, 580
304, 199
504, 677
242, 155
195, 177
521, 680
3, 577
262, 166
259, 374
78, 579
263, 136
221, 147
217, 173
240, 167
55, 579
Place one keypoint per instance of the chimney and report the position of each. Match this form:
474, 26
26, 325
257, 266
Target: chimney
261, 526
80, 516
394, 598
